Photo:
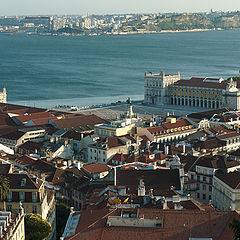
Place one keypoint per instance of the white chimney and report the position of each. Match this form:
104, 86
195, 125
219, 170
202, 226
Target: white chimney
115, 176
184, 148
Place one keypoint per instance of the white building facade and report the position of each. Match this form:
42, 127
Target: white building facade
206, 93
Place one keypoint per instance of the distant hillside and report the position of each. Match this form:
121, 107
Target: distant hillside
228, 22
186, 21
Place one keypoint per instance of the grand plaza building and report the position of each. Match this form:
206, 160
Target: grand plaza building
206, 93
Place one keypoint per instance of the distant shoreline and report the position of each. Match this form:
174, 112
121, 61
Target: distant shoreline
115, 33
125, 33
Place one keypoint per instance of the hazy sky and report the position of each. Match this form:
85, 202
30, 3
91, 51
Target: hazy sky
34, 7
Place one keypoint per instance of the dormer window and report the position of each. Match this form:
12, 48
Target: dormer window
23, 182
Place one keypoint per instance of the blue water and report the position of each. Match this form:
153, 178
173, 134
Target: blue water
51, 70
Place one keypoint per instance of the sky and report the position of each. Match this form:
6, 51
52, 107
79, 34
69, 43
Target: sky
82, 7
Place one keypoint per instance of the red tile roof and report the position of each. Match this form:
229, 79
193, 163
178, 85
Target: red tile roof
5, 169
15, 180
44, 116
79, 123
177, 224
160, 178
199, 82
232, 179
96, 167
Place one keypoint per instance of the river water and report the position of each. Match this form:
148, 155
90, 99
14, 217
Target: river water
47, 71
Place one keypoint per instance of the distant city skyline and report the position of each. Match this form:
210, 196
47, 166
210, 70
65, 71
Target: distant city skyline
60, 7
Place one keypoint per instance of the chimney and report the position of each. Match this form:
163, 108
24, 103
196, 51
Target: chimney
151, 193
166, 148
115, 176
141, 188
184, 148
165, 204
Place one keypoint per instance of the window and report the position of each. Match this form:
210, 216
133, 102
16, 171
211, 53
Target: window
210, 188
204, 196
198, 178
192, 177
210, 197
9, 196
198, 195
204, 179
34, 196
21, 196
9, 208
203, 187
34, 209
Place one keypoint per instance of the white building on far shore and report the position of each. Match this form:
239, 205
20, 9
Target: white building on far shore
3, 96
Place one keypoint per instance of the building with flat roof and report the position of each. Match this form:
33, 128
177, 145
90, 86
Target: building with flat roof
206, 93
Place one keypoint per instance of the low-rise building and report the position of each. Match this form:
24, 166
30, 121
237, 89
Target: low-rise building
226, 191
96, 170
33, 195
169, 131
14, 138
203, 172
105, 148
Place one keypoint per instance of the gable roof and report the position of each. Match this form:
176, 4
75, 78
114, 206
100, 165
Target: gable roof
15, 181
96, 168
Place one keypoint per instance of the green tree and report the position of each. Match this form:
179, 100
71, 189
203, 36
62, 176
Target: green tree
36, 227
4, 188
62, 214
235, 78
235, 226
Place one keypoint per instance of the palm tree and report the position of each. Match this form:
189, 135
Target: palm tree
4, 188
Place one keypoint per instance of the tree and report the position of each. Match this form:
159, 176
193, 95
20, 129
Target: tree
235, 78
36, 227
4, 188
235, 226
62, 214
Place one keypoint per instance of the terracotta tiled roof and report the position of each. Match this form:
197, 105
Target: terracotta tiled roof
232, 179
209, 144
229, 135
207, 114
13, 135
16, 179
216, 162
31, 146
199, 82
177, 224
179, 123
187, 161
25, 160
6, 121
4, 168
159, 178
43, 116
156, 129
96, 168
18, 109
79, 123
